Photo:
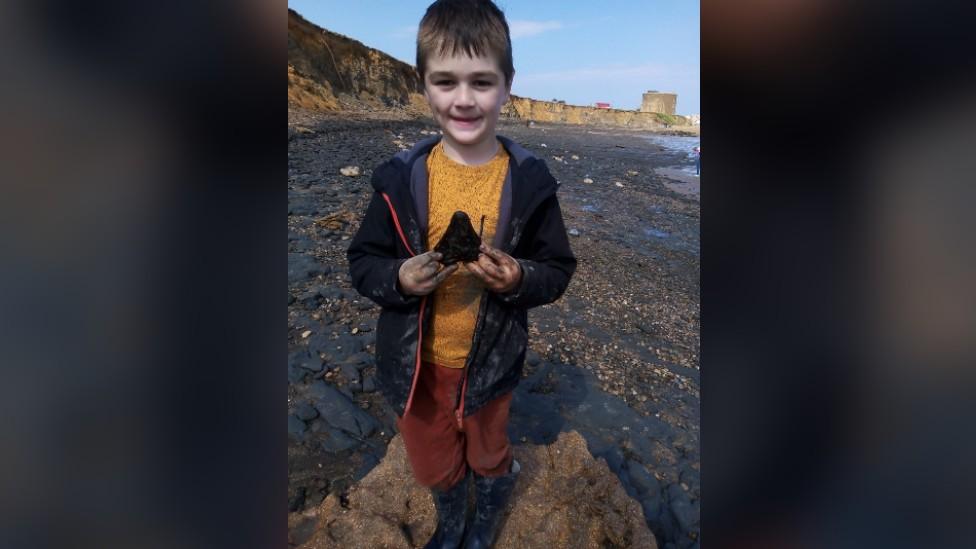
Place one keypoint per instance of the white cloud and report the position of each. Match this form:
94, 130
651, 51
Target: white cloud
519, 28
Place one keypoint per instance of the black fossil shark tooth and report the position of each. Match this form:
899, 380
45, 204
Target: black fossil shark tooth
460, 242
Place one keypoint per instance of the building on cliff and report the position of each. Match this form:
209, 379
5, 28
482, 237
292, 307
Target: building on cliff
662, 102
601, 105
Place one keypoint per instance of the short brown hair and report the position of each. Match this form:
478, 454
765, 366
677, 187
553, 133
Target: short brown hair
475, 27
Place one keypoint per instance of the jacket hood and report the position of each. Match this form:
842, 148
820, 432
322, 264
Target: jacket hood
522, 157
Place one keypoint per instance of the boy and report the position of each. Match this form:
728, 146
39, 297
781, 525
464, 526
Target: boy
451, 340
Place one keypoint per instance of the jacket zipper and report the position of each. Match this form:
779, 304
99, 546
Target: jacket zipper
420, 317
463, 384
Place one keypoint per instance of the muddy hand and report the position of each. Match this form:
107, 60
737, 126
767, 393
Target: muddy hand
420, 274
498, 270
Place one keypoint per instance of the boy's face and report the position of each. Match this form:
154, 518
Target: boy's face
466, 96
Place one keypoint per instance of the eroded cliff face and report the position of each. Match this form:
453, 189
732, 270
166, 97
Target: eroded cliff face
328, 71
333, 73
523, 108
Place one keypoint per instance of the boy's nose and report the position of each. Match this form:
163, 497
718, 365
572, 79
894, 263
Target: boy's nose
465, 97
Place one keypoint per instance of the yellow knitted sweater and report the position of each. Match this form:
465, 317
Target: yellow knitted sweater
477, 191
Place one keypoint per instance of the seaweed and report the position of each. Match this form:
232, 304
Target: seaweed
460, 242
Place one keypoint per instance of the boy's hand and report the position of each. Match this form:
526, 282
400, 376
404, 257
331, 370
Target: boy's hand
420, 274
498, 270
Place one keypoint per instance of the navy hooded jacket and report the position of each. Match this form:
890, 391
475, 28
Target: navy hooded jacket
530, 229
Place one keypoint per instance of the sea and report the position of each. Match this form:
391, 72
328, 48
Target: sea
679, 144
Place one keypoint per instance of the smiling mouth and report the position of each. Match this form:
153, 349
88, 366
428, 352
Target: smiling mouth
465, 120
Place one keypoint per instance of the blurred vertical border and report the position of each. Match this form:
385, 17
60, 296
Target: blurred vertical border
142, 163
838, 296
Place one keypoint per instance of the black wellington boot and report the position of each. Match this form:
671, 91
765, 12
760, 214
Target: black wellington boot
452, 510
492, 494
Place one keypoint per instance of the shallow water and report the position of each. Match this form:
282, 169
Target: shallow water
676, 143
679, 144
650, 231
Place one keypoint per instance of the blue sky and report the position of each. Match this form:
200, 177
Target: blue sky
580, 52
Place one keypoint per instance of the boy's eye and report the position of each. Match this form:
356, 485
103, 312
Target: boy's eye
443, 82
482, 83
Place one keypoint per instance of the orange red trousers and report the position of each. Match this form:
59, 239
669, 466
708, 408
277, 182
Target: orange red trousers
440, 451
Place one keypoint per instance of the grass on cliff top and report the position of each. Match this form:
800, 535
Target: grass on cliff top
669, 119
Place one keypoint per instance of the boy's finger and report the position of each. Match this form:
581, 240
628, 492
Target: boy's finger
476, 270
494, 253
489, 267
445, 272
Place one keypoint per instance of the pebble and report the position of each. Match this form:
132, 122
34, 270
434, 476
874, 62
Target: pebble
543, 145
574, 232
619, 184
574, 157
350, 171
632, 172
306, 333
587, 180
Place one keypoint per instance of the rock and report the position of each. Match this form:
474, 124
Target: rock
350, 171
305, 360
330, 292
642, 480
306, 412
614, 458
365, 327
348, 344
369, 384
574, 157
338, 409
563, 498
619, 184
587, 180
302, 267
651, 504
360, 360
337, 441
684, 513
306, 333
574, 232
303, 244
296, 427
350, 372
543, 145
320, 344
301, 206
310, 300
632, 172
296, 375
297, 501
532, 358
